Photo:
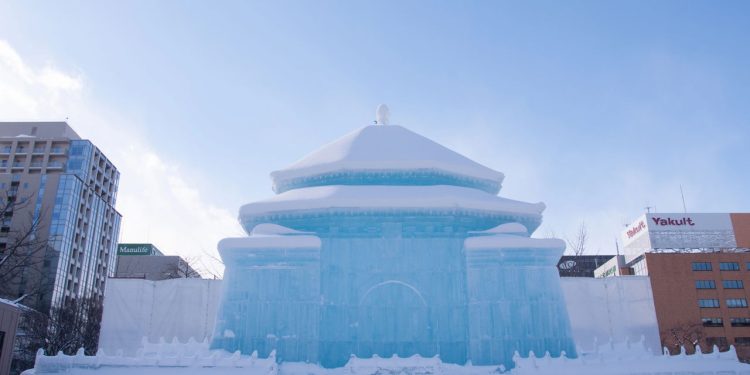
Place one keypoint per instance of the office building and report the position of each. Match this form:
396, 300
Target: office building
580, 265
60, 190
699, 267
145, 261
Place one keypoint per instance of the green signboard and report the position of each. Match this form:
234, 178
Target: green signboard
135, 249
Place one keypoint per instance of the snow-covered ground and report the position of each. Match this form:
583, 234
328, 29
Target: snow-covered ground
195, 358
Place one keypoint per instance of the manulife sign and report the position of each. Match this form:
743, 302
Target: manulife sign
137, 249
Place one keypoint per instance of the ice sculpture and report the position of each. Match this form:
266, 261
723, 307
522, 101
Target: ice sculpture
387, 243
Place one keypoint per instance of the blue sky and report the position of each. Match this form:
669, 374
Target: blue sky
596, 108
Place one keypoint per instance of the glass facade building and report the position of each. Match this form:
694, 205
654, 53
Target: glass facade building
72, 188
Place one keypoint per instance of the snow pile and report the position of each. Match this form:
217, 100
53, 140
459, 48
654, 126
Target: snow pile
626, 359
193, 358
151, 362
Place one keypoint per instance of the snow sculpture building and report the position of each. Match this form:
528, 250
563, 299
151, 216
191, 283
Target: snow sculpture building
387, 243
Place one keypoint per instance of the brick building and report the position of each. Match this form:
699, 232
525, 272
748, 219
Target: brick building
699, 267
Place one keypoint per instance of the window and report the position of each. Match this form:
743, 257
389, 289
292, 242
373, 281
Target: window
744, 341
705, 284
708, 303
712, 322
732, 284
740, 322
701, 266
736, 302
729, 266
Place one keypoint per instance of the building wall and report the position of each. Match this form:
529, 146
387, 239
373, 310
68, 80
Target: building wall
8, 323
581, 265
676, 297
741, 224
153, 267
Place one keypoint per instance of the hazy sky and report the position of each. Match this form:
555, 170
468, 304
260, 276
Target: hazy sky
596, 108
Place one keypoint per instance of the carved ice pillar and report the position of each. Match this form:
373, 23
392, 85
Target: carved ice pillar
515, 299
271, 297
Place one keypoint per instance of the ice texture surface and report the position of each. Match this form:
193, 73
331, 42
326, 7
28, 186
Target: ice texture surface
407, 250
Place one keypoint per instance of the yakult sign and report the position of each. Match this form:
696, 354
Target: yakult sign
668, 230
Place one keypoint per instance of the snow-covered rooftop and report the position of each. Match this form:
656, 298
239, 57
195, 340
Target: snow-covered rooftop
365, 198
384, 148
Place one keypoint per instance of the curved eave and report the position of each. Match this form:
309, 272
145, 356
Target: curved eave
260, 246
398, 176
367, 200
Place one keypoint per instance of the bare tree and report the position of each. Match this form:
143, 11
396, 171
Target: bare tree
22, 251
683, 335
74, 324
577, 245
184, 268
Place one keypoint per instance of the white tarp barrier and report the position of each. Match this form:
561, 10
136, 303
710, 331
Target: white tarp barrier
170, 309
620, 308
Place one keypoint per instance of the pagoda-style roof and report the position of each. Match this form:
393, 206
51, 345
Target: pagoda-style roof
378, 199
386, 155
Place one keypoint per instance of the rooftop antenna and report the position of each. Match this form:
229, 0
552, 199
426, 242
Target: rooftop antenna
648, 209
684, 207
617, 247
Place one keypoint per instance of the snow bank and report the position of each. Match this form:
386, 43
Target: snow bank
610, 358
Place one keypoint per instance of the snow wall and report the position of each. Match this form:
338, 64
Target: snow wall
169, 309
621, 308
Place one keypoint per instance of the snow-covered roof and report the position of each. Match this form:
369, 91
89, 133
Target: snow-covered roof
379, 149
13, 304
368, 198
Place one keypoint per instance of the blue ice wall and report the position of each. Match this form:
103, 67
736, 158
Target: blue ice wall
515, 304
393, 285
392, 295
270, 301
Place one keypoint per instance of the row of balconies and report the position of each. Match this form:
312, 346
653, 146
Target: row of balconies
32, 165
5, 150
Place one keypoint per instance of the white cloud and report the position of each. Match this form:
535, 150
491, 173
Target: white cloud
156, 198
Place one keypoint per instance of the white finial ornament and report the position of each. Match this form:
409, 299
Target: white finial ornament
382, 115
